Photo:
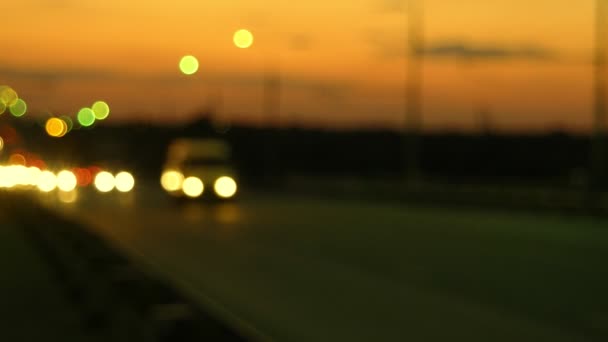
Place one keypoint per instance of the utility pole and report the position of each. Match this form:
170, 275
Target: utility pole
598, 143
413, 91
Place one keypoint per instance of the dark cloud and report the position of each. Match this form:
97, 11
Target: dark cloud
468, 51
390, 46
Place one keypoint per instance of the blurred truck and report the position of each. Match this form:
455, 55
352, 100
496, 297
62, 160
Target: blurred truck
196, 168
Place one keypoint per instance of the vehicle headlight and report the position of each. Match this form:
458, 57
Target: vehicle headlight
125, 181
66, 181
193, 187
225, 187
172, 180
104, 182
47, 181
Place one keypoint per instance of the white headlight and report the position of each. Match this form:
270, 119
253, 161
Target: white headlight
125, 182
225, 187
66, 181
193, 187
105, 182
172, 180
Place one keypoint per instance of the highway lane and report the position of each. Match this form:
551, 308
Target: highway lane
321, 270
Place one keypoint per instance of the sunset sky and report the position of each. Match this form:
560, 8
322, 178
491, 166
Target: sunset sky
526, 63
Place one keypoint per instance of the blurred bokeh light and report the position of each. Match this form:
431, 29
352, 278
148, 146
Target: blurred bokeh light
8, 96
101, 110
68, 197
66, 181
69, 123
86, 117
172, 180
56, 127
188, 65
193, 187
19, 108
17, 159
47, 181
104, 182
243, 39
225, 187
125, 181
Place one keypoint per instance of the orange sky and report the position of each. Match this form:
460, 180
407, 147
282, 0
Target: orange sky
527, 63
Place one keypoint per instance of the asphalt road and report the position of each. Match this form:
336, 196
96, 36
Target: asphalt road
305, 269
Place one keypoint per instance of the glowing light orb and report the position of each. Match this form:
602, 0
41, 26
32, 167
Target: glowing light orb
101, 110
172, 180
47, 181
69, 123
56, 127
104, 182
2, 107
33, 174
86, 117
124, 182
68, 197
225, 187
1, 144
243, 39
66, 181
8, 96
19, 108
17, 159
188, 65
193, 187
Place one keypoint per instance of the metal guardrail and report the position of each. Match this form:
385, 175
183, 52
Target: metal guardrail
116, 299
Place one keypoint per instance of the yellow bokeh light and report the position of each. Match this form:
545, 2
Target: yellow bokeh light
1, 144
225, 187
188, 65
19, 108
243, 39
68, 197
104, 182
66, 181
8, 96
125, 181
13, 175
101, 110
193, 187
56, 127
2, 107
17, 159
47, 181
172, 180
33, 175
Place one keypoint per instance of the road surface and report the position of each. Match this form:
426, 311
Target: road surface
306, 269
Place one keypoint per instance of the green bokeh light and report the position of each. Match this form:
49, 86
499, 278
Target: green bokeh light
86, 117
188, 65
8, 96
101, 110
2, 107
19, 108
68, 121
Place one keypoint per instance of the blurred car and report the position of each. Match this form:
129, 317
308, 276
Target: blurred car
197, 168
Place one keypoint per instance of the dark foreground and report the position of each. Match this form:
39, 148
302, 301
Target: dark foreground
62, 283
296, 269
